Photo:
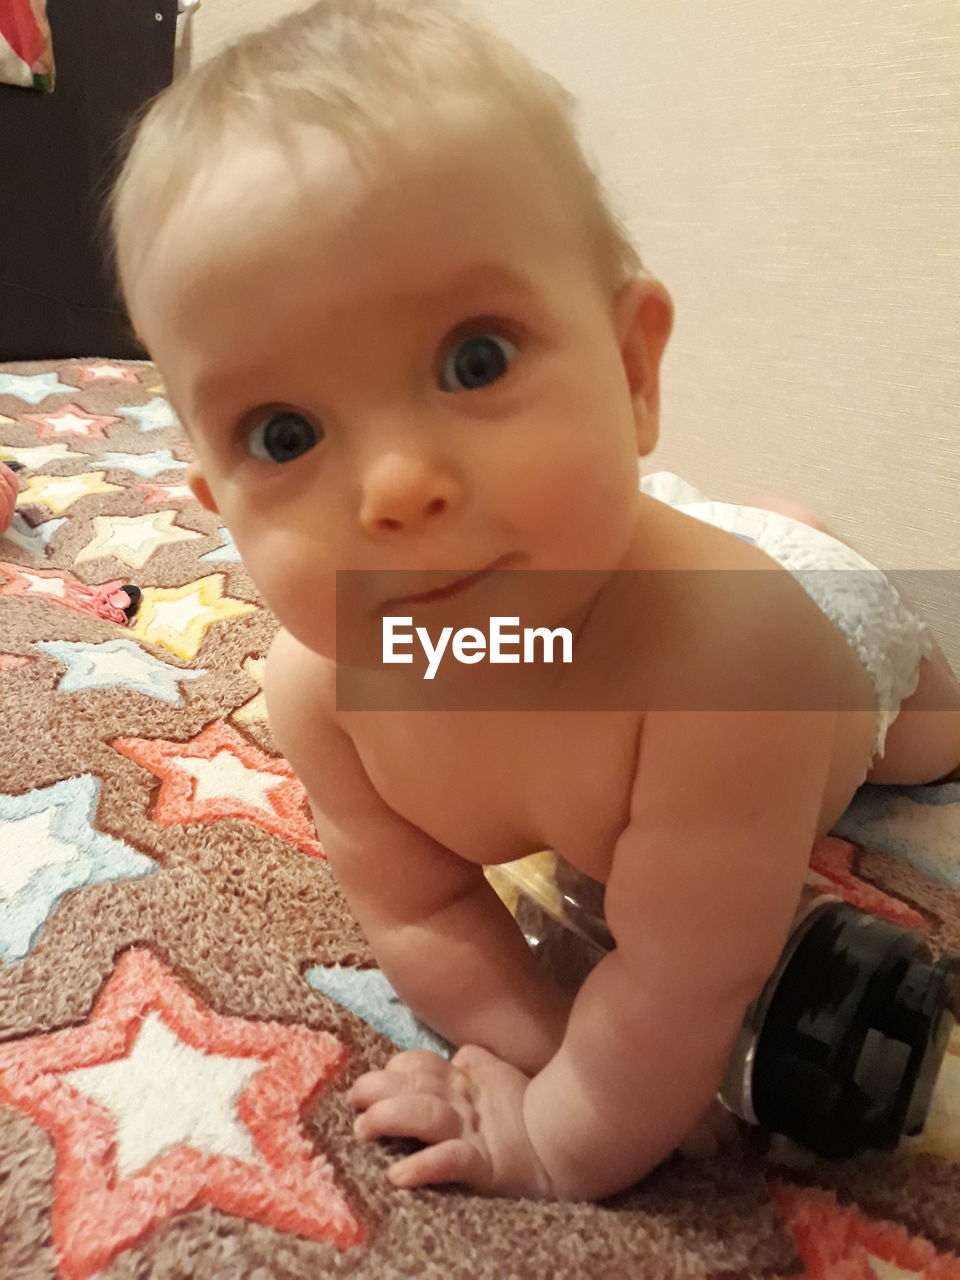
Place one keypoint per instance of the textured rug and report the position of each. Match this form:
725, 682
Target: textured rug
185, 1000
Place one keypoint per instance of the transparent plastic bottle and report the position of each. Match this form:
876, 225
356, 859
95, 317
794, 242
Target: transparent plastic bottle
841, 1050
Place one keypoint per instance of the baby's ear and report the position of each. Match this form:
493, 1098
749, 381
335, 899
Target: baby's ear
643, 314
200, 488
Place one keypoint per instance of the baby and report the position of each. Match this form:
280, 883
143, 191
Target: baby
407, 337
8, 496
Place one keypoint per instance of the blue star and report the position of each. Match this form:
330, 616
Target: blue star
57, 849
155, 416
144, 464
117, 663
368, 994
227, 549
34, 541
33, 387
881, 818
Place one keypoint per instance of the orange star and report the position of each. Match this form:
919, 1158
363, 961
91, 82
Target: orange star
101, 371
240, 1149
71, 420
835, 1241
832, 869
11, 661
220, 774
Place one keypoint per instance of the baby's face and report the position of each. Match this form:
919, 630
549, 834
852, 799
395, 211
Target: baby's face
423, 376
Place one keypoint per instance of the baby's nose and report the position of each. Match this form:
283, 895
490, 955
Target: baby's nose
402, 491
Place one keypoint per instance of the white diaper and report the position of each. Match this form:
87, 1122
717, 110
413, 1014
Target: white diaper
889, 639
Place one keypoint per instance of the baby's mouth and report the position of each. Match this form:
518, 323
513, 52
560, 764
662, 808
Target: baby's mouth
451, 588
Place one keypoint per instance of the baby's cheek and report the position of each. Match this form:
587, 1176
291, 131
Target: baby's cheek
297, 590
589, 513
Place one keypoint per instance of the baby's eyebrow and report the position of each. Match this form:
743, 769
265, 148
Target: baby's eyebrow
488, 281
481, 284
483, 276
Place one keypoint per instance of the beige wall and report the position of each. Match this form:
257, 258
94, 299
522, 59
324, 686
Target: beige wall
792, 173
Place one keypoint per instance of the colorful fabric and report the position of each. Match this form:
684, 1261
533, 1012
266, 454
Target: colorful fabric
26, 46
185, 999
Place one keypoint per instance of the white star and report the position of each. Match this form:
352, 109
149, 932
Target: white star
104, 373
225, 775
28, 845
70, 423
133, 539
166, 1094
38, 456
155, 416
176, 615
33, 387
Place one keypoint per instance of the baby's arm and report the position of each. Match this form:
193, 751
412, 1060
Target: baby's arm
704, 884
436, 927
8, 496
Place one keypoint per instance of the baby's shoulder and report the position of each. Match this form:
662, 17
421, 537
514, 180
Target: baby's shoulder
724, 625
299, 684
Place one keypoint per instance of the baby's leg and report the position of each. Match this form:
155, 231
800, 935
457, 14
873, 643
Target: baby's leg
923, 743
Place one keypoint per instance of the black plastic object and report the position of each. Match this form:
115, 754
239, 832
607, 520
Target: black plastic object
854, 1034
135, 595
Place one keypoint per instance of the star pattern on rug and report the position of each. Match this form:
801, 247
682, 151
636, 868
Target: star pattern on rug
157, 1103
117, 663
59, 493
254, 711
369, 994
221, 774
143, 464
34, 457
102, 371
71, 420
832, 868
49, 845
33, 387
841, 1241
34, 541
178, 617
156, 415
164, 492
133, 539
227, 549
13, 661
919, 825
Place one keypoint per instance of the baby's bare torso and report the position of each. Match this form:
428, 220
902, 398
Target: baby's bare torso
494, 785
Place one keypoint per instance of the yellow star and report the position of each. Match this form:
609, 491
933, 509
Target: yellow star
133, 539
60, 492
178, 617
256, 709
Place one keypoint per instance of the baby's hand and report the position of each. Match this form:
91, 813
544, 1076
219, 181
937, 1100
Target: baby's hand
8, 496
468, 1111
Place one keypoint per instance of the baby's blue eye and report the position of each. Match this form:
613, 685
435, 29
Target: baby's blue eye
281, 437
476, 362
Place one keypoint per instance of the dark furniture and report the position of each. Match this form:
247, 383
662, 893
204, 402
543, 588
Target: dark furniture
57, 152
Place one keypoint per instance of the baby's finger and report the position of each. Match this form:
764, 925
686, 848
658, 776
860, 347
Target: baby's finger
453, 1161
374, 1086
471, 1056
420, 1116
420, 1061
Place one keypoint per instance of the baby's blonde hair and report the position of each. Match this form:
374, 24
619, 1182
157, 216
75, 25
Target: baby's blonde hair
359, 68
